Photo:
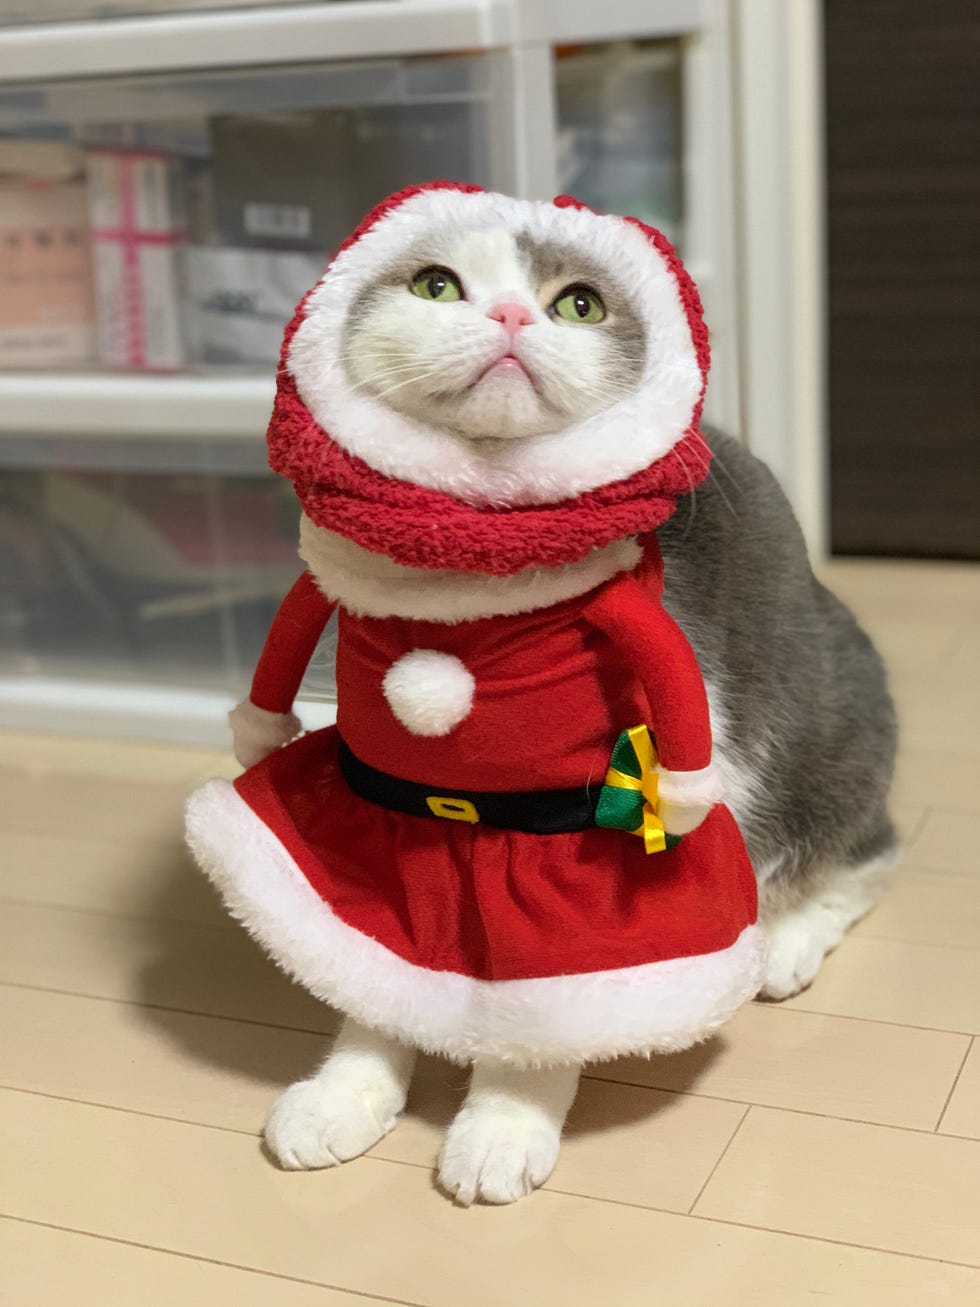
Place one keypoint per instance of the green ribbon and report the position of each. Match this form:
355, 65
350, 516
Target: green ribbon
628, 799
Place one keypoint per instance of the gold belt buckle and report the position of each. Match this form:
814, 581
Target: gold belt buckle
452, 809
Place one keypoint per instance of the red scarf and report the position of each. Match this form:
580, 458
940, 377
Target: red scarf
420, 527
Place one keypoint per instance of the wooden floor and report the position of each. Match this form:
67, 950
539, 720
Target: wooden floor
822, 1150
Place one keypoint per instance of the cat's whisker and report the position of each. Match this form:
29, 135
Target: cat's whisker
416, 371
407, 382
718, 462
605, 396
383, 373
692, 491
703, 463
401, 367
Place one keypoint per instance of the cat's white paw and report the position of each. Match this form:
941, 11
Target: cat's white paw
798, 943
799, 939
497, 1154
313, 1125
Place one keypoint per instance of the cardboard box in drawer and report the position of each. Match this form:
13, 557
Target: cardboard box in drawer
285, 181
138, 238
47, 315
299, 180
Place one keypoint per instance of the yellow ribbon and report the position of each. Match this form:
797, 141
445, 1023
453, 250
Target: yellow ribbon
652, 830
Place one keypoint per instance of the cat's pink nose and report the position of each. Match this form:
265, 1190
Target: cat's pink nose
512, 315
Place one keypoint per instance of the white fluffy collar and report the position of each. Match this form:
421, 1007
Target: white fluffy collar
370, 585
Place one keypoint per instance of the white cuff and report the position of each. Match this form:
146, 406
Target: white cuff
258, 732
684, 798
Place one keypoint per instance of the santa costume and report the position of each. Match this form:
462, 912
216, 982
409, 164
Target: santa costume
473, 859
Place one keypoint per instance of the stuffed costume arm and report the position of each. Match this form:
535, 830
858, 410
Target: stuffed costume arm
657, 649
265, 721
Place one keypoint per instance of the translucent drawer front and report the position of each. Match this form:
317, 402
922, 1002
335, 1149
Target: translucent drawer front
40, 11
171, 223
619, 129
165, 223
152, 564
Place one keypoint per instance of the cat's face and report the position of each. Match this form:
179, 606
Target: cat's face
495, 335
503, 351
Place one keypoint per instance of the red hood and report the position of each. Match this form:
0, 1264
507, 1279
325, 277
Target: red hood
426, 528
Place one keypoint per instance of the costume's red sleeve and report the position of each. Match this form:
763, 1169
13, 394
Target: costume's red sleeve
656, 647
289, 646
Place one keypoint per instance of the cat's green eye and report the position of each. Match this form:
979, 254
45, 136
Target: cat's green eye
437, 284
579, 304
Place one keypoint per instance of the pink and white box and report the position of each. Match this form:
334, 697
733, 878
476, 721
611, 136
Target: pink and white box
138, 236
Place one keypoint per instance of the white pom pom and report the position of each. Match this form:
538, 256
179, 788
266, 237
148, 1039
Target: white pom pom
429, 692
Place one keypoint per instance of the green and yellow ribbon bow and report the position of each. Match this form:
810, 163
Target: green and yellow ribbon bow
628, 799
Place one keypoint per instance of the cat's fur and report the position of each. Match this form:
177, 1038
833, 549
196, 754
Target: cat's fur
803, 726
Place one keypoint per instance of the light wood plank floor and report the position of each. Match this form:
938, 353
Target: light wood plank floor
825, 1149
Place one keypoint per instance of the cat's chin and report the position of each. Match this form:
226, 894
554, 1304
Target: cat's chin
497, 433
502, 403
495, 415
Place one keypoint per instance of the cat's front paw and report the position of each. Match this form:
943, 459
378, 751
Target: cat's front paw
312, 1125
497, 1155
797, 945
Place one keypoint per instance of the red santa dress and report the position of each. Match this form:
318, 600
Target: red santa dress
432, 865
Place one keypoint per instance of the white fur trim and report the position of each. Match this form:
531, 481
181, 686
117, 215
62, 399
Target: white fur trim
430, 692
621, 440
661, 1007
370, 585
256, 732
681, 818
684, 798
704, 786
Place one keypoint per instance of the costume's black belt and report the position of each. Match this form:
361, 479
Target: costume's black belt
539, 812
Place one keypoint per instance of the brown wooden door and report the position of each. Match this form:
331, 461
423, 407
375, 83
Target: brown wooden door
902, 79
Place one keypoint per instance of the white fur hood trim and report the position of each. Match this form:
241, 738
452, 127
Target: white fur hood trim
610, 446
662, 1007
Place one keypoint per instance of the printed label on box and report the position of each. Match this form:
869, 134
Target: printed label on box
279, 221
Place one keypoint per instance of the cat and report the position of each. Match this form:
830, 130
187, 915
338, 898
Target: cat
803, 726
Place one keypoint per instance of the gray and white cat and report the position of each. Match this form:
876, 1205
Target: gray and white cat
804, 729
